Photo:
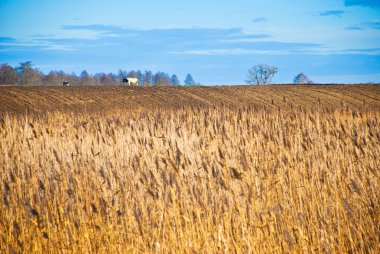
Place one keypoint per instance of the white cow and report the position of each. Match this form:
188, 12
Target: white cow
131, 81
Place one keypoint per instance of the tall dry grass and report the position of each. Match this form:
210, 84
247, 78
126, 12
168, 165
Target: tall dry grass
208, 180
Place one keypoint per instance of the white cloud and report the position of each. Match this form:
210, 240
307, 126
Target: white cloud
236, 52
41, 45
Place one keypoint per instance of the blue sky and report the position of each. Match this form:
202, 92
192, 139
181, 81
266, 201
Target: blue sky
216, 41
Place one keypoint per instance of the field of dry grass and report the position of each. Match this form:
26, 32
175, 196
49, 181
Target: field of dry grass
296, 175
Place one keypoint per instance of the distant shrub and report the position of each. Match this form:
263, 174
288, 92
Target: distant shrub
301, 78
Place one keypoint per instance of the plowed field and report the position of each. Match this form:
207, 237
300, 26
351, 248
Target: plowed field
41, 99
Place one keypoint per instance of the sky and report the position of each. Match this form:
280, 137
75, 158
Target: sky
216, 41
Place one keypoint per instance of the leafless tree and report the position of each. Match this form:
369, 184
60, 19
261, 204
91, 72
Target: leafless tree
8, 75
261, 74
161, 79
148, 78
28, 75
86, 79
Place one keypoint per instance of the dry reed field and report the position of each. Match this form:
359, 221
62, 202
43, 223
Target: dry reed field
215, 178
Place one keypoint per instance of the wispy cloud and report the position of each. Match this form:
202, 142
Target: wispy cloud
114, 39
259, 19
232, 52
373, 24
12, 44
149, 45
243, 47
355, 28
333, 13
6, 39
158, 43
104, 29
170, 33
366, 3
42, 36
244, 37
367, 51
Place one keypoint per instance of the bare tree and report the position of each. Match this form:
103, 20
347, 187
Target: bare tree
161, 79
53, 79
261, 74
103, 79
8, 75
28, 75
132, 74
121, 75
148, 78
302, 79
85, 79
140, 77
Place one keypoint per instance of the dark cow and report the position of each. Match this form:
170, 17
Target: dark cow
65, 83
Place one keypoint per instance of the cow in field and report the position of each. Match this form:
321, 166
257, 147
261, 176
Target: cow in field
131, 81
65, 83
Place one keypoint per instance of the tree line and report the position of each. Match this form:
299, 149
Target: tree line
25, 74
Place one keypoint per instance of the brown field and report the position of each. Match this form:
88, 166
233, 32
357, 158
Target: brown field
42, 99
277, 169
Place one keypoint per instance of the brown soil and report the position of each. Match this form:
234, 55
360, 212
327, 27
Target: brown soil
89, 99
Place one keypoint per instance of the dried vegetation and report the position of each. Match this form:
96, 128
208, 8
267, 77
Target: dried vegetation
197, 179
